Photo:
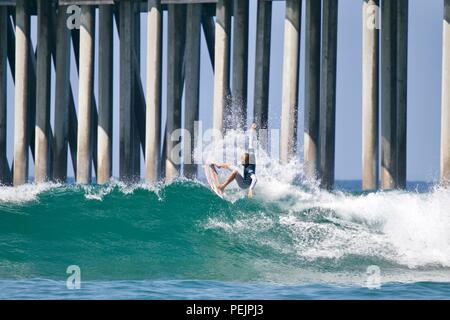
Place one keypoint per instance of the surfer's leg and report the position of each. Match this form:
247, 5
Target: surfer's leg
230, 178
241, 183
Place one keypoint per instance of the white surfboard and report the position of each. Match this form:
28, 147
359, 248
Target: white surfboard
213, 180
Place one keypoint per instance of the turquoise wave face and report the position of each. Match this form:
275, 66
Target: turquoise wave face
183, 231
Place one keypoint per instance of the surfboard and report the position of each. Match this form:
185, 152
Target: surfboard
213, 180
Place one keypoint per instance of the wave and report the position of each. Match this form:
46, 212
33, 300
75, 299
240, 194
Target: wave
287, 233
291, 231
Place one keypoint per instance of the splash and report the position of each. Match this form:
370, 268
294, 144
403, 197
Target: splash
24, 193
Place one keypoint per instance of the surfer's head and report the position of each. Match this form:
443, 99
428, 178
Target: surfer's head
247, 158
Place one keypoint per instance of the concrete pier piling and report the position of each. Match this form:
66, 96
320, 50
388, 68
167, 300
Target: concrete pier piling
31, 85
445, 103
370, 92
136, 47
328, 93
402, 89
86, 94
43, 76
22, 94
175, 51
5, 172
394, 37
126, 116
262, 69
291, 63
105, 94
154, 87
139, 102
66, 122
192, 85
312, 88
62, 96
388, 97
222, 65
240, 63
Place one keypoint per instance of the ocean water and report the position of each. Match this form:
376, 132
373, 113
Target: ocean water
180, 241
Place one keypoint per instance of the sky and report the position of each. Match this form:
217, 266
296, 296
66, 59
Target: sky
424, 86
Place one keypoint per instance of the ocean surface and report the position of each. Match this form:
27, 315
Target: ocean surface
180, 241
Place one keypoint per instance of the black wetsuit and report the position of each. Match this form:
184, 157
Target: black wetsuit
244, 178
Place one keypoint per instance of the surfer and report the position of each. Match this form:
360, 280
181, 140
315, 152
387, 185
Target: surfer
245, 174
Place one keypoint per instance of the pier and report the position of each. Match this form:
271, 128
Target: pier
85, 131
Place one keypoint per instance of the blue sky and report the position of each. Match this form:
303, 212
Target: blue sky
424, 85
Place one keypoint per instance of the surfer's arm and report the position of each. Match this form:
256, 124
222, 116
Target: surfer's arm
252, 185
222, 165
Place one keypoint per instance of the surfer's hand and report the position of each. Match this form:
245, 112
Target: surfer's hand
250, 193
253, 126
